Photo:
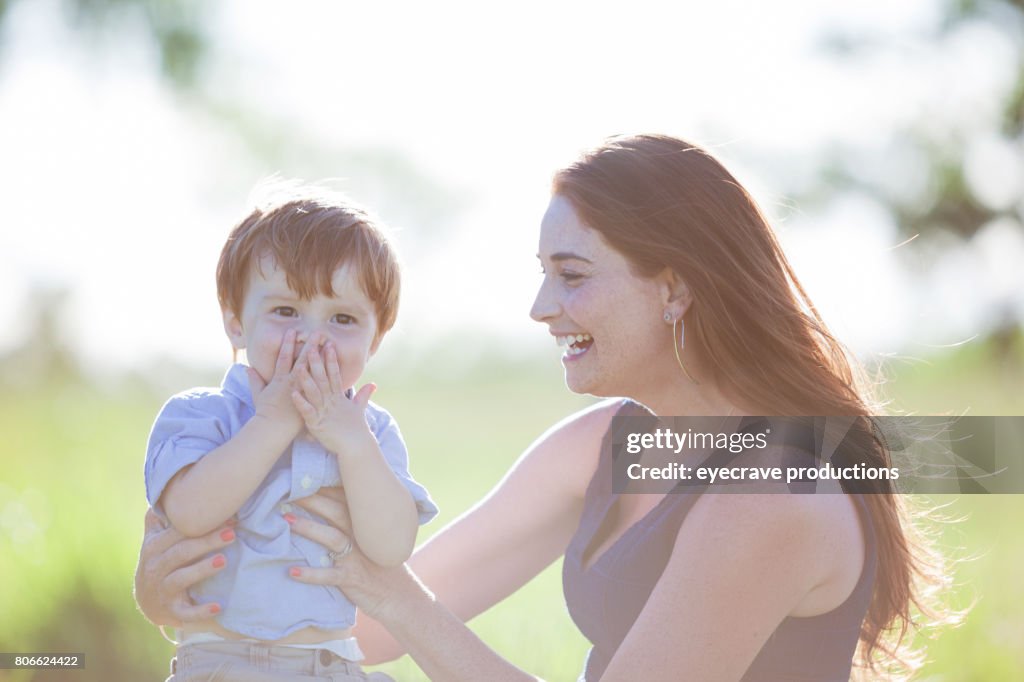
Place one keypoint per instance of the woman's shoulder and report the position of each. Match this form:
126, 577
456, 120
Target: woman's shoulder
591, 423
818, 534
572, 446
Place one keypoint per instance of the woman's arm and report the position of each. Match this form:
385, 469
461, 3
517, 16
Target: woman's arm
522, 525
439, 642
741, 564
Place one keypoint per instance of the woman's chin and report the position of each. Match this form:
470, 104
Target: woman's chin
581, 383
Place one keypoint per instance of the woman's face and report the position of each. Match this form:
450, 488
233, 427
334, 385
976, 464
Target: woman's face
609, 319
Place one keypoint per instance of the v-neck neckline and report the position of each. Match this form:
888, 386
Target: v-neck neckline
587, 557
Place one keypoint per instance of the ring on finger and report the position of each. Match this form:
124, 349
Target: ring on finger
342, 553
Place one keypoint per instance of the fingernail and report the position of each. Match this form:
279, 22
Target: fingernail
219, 561
290, 518
214, 608
227, 535
295, 571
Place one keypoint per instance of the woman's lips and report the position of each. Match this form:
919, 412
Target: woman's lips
576, 344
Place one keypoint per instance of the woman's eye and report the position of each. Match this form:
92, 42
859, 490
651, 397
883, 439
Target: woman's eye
570, 277
342, 318
284, 311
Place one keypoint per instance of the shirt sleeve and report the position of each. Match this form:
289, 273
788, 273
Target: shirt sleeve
184, 431
392, 445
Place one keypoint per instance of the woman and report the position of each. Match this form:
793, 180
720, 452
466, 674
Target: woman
669, 287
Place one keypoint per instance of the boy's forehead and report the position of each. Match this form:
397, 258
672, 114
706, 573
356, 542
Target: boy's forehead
267, 278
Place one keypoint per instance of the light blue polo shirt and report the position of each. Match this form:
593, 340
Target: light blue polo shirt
257, 597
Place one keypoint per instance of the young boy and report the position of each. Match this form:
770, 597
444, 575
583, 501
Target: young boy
308, 286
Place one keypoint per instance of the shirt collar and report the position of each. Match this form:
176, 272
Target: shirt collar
236, 383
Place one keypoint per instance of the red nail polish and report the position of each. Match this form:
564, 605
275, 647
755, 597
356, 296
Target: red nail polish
227, 535
295, 571
219, 561
290, 518
214, 608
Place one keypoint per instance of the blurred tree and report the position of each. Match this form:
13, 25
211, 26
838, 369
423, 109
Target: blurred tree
188, 48
947, 179
45, 356
949, 200
175, 27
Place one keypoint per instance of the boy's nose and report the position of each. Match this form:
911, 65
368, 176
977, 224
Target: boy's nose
306, 335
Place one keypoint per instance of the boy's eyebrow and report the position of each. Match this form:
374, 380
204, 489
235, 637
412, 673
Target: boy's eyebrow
353, 305
278, 295
567, 255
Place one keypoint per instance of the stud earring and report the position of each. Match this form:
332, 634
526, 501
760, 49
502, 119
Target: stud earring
667, 316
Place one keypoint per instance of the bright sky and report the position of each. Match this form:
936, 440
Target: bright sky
114, 187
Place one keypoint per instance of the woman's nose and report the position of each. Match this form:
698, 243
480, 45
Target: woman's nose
544, 306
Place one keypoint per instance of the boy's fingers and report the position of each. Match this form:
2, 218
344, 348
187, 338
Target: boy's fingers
300, 360
304, 407
316, 368
309, 388
362, 398
285, 354
333, 369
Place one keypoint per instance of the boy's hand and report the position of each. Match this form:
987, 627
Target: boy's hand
273, 400
331, 416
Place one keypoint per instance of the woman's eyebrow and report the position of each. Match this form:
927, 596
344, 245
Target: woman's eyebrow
567, 255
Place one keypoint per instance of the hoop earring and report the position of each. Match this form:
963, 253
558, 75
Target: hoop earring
677, 345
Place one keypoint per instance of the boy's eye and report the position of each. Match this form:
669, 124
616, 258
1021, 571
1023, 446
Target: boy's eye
342, 318
284, 311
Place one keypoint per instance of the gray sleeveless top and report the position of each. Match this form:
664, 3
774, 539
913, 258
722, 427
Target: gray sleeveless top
605, 599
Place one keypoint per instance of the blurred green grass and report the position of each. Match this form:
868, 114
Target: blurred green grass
71, 508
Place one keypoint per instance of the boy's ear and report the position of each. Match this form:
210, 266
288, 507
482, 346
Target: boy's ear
676, 295
233, 328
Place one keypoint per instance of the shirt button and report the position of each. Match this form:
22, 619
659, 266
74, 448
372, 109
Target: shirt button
325, 561
307, 482
286, 508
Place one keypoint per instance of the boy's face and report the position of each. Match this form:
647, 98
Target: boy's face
348, 319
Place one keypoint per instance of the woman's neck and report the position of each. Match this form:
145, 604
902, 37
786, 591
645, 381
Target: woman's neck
688, 399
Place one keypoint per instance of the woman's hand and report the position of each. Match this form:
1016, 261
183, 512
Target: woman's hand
443, 647
168, 566
380, 592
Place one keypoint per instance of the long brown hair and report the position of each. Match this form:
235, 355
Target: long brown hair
666, 203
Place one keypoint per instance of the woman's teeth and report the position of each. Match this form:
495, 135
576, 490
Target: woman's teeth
576, 343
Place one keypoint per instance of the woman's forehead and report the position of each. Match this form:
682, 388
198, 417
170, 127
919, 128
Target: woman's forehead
562, 232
